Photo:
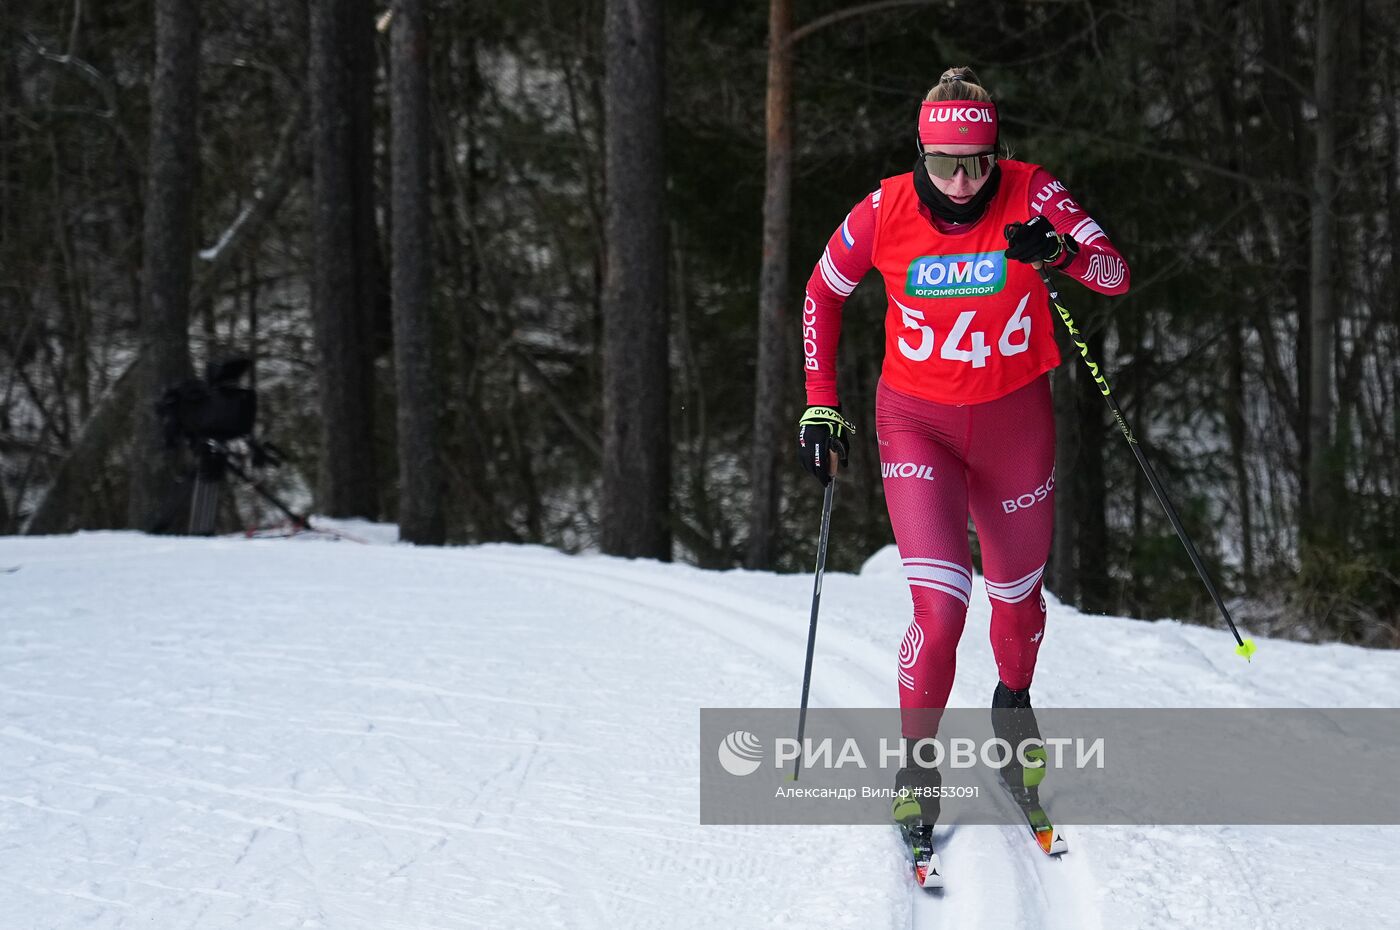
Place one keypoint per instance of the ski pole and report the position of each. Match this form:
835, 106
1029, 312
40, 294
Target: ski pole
812, 629
1246, 646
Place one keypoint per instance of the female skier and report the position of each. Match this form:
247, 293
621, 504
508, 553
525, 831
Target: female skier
963, 413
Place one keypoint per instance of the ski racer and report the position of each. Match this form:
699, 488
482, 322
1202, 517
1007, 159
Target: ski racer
963, 415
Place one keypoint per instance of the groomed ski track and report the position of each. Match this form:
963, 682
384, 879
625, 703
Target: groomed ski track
284, 733
995, 876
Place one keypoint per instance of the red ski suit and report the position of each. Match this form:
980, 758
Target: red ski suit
963, 415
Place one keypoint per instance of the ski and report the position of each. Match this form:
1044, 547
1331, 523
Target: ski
1047, 836
924, 862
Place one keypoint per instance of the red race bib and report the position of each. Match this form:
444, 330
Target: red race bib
964, 324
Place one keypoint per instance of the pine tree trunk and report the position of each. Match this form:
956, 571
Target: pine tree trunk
167, 253
419, 397
1280, 51
769, 393
343, 259
1236, 418
636, 391
1322, 503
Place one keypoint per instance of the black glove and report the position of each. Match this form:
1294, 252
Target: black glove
820, 432
1037, 241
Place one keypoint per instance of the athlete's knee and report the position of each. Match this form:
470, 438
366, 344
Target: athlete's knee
939, 586
938, 611
1018, 597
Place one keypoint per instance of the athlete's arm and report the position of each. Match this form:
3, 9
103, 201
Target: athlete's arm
1098, 266
844, 262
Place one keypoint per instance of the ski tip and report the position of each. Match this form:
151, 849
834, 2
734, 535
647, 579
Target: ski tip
929, 874
1245, 650
1050, 842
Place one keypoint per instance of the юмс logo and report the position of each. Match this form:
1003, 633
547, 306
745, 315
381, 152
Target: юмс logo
956, 275
740, 753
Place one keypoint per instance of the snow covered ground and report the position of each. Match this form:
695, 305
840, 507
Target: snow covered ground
292, 733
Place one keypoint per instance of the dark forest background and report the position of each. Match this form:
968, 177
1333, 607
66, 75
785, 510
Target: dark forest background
530, 271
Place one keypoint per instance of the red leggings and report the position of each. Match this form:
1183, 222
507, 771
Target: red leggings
941, 463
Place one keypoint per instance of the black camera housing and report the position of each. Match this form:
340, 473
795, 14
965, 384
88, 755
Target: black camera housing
216, 407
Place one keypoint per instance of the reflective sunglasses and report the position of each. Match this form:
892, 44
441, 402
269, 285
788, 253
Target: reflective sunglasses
946, 166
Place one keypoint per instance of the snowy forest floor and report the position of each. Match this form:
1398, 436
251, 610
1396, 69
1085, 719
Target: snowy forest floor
297, 733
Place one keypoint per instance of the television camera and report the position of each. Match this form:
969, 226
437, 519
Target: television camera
214, 416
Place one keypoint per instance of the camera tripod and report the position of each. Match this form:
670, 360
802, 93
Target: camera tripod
214, 460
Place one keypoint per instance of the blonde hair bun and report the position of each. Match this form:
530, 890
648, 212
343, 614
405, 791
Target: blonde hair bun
958, 84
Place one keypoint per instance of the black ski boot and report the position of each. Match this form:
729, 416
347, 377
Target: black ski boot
915, 812
1013, 720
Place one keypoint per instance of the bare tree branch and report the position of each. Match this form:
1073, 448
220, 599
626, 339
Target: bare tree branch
821, 22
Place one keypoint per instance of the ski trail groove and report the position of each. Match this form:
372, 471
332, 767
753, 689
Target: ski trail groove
781, 644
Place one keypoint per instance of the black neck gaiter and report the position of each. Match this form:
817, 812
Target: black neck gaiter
945, 209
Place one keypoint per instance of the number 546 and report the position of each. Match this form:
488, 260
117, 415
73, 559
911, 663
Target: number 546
978, 350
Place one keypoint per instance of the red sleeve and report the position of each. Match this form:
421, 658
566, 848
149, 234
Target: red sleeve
1098, 266
844, 262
